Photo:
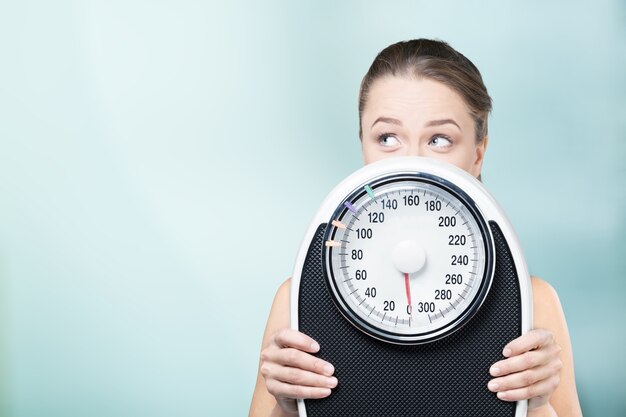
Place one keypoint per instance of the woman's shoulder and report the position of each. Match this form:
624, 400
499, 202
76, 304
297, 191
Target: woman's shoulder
543, 291
281, 299
541, 285
279, 314
547, 310
284, 288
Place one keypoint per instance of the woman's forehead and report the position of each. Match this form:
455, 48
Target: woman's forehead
414, 99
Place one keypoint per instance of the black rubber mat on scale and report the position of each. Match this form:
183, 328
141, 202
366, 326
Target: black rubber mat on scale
445, 378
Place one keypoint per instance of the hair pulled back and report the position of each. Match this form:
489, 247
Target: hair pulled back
435, 60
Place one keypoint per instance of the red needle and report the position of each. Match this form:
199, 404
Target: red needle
407, 286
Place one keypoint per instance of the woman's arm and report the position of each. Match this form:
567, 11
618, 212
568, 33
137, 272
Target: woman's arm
263, 403
287, 370
540, 364
549, 315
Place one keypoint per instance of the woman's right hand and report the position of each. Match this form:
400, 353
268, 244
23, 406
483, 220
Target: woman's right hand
291, 372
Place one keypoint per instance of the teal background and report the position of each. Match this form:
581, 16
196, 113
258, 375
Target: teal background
160, 162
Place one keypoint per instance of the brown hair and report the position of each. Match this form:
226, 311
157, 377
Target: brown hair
437, 61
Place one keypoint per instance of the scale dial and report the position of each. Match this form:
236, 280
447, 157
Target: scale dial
408, 258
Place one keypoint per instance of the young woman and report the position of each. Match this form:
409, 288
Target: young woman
424, 98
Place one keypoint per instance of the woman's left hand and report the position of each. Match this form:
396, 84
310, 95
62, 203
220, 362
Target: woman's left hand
531, 370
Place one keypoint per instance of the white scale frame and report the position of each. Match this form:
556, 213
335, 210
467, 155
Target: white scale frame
485, 204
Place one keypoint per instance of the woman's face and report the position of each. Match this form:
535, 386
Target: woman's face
419, 117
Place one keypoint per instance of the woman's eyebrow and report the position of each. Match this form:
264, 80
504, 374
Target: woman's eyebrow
443, 122
429, 124
388, 120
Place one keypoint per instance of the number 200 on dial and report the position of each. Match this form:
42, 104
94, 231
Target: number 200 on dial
408, 259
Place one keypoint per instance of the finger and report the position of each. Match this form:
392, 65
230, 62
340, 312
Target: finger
525, 361
282, 389
520, 379
297, 376
518, 363
297, 359
542, 388
295, 339
528, 341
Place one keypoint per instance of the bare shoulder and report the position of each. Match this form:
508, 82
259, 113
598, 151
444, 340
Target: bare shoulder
547, 310
279, 315
543, 289
283, 290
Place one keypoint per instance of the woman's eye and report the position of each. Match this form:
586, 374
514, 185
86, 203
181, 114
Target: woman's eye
440, 142
388, 140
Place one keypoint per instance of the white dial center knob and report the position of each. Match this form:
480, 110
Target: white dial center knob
408, 256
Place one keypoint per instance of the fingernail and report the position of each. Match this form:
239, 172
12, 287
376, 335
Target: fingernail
315, 346
493, 386
332, 383
495, 371
329, 369
502, 395
506, 352
326, 392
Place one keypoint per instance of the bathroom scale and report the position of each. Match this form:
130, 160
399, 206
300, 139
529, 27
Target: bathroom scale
412, 280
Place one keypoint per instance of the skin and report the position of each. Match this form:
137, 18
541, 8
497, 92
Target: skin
421, 117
